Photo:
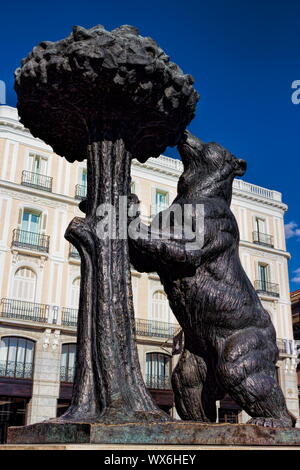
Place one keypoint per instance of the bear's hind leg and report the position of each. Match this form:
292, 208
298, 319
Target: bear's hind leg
190, 381
247, 372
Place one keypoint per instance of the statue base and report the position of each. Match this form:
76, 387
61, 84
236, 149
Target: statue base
178, 433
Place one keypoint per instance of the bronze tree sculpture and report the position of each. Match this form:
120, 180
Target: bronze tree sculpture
230, 341
107, 97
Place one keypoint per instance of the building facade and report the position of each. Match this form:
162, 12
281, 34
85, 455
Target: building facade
40, 278
295, 300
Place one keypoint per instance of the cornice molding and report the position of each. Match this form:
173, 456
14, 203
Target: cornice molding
53, 200
262, 250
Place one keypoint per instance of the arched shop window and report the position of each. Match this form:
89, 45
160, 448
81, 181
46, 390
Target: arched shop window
16, 357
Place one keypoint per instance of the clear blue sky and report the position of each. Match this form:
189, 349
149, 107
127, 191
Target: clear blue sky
243, 54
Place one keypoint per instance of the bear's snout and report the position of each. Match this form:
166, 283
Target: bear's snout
240, 167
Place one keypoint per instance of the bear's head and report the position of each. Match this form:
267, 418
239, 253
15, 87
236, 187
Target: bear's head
208, 166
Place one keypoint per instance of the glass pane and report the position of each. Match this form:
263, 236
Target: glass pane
29, 352
148, 364
72, 355
21, 350
25, 220
3, 349
155, 365
260, 225
34, 223
161, 198
64, 355
12, 349
263, 273
84, 177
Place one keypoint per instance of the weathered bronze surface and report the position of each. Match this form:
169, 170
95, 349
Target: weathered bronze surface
107, 97
181, 432
230, 341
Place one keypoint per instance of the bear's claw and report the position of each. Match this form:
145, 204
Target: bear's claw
271, 422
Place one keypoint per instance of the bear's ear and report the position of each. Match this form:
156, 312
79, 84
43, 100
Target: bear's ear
240, 166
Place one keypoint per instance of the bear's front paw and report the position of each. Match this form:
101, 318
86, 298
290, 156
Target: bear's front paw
272, 422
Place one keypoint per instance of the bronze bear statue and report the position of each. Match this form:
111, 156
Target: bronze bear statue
230, 341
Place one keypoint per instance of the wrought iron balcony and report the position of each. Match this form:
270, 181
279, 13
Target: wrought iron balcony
30, 240
67, 374
22, 310
80, 191
263, 239
158, 382
35, 180
268, 288
155, 328
19, 370
73, 252
69, 316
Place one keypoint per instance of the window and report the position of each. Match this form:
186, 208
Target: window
132, 187
24, 284
160, 308
83, 177
263, 283
31, 221
67, 367
260, 234
260, 225
30, 233
81, 187
16, 357
263, 275
158, 370
38, 164
75, 291
161, 201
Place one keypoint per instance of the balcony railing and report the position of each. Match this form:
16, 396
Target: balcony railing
80, 191
31, 240
35, 180
73, 252
263, 239
266, 288
155, 328
19, 370
22, 310
67, 374
69, 316
241, 185
158, 382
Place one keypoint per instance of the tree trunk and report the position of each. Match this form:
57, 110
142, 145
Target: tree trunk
108, 384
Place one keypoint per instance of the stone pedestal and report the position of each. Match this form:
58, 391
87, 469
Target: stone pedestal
178, 433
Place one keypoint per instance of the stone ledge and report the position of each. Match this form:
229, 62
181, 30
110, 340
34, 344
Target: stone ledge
162, 433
